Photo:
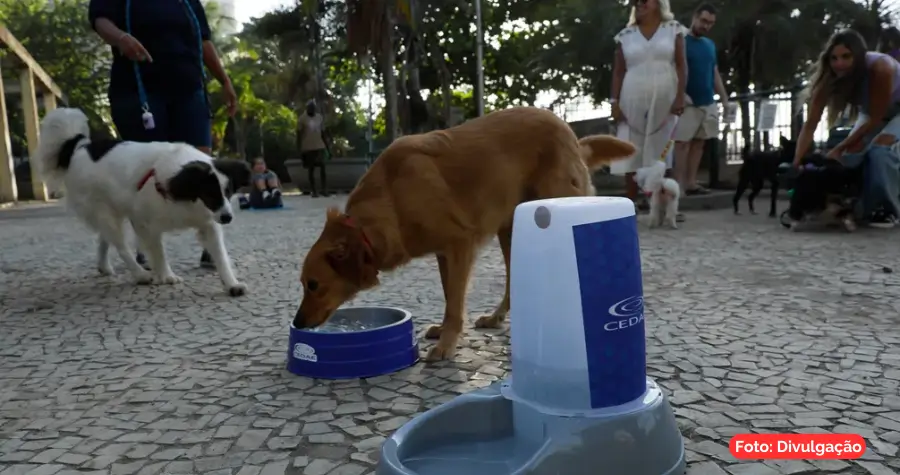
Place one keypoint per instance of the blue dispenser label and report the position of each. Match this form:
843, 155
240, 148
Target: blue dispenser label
608, 257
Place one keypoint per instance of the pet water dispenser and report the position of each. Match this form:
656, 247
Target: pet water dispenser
579, 401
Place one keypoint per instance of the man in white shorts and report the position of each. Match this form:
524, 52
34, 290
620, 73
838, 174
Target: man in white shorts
700, 120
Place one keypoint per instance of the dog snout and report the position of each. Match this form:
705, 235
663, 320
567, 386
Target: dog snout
298, 319
225, 218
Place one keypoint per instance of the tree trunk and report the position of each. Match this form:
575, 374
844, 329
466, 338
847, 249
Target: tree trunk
389, 78
437, 58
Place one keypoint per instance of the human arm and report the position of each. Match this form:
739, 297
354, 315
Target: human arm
619, 70
681, 74
881, 83
326, 138
720, 87
102, 15
805, 139
211, 56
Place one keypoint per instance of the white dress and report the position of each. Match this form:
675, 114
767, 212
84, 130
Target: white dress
648, 91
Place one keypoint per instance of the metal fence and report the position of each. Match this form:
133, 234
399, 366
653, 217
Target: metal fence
788, 119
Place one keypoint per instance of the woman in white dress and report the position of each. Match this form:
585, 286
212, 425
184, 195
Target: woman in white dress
649, 77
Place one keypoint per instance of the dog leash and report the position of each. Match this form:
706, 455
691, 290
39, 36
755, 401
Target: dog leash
671, 142
147, 115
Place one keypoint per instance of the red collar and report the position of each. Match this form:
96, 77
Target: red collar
349, 221
150, 174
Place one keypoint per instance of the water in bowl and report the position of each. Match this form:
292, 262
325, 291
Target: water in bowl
345, 325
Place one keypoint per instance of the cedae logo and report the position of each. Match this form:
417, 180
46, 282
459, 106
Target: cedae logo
625, 314
304, 352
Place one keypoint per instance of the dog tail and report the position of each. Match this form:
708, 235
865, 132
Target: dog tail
601, 150
61, 129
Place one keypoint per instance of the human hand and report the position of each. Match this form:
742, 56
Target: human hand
230, 98
678, 105
617, 112
835, 153
132, 49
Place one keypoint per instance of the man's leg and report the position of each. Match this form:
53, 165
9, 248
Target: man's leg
310, 164
323, 176
192, 124
127, 115
685, 133
679, 171
708, 129
694, 157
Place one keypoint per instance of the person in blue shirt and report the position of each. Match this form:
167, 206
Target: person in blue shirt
157, 87
700, 120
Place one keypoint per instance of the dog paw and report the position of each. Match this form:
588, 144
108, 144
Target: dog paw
673, 226
771, 215
433, 332
795, 226
237, 290
168, 279
143, 278
440, 353
488, 321
753, 212
849, 225
106, 270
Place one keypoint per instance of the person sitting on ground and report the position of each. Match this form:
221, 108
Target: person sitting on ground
847, 74
266, 188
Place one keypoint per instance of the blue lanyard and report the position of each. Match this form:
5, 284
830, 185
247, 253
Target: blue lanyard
142, 93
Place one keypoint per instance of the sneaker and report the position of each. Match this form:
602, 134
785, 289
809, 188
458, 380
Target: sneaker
206, 261
882, 219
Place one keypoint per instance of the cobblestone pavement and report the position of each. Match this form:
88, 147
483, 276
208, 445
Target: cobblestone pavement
750, 327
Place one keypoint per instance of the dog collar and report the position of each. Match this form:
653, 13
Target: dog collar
150, 174
349, 221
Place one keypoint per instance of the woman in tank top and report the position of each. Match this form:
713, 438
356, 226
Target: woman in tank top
848, 76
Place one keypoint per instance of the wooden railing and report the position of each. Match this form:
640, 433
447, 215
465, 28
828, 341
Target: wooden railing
32, 80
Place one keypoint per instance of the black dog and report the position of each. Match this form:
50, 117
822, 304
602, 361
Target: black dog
824, 184
760, 167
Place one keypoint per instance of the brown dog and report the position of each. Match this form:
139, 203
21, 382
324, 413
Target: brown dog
447, 193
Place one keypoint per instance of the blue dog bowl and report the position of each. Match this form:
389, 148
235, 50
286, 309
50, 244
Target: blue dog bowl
356, 342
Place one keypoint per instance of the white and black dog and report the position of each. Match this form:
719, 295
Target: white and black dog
158, 187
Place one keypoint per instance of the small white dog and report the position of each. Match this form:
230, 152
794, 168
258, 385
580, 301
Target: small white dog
664, 194
158, 187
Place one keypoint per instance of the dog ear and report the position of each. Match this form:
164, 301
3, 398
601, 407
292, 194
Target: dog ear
237, 171
183, 186
350, 257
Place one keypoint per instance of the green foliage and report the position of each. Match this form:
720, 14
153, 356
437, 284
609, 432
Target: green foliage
59, 38
532, 47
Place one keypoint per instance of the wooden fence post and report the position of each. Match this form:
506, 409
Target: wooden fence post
8, 189
29, 107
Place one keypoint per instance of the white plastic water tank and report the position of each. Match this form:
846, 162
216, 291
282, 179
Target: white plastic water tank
576, 305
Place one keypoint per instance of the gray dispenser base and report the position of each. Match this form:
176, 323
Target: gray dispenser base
483, 433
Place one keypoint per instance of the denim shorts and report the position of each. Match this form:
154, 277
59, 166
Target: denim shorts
881, 188
176, 118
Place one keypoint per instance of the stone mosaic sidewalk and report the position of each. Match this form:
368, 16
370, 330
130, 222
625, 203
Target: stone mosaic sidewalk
750, 328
